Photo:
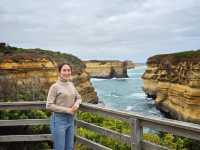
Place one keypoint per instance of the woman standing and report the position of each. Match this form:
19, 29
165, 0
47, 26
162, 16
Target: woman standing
63, 100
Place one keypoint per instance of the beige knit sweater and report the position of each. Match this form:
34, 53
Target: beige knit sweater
61, 96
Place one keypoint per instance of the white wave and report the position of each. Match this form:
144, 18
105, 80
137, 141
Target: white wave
151, 102
135, 73
113, 95
155, 113
128, 108
138, 95
119, 78
96, 79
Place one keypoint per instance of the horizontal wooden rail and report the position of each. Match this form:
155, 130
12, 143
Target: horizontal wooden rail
117, 136
24, 105
25, 138
24, 122
91, 144
151, 146
176, 130
110, 133
185, 129
137, 121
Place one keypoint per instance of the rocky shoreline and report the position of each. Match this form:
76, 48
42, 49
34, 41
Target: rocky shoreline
173, 80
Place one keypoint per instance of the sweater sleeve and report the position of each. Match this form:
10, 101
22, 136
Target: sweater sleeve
51, 101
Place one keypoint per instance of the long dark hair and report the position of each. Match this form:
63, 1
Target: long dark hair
61, 65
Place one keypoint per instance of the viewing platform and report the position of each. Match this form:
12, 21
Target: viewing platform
136, 121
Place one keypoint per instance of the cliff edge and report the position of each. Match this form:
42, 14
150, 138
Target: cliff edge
173, 80
106, 69
26, 74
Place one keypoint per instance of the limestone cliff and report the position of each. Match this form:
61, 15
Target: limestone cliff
174, 81
106, 69
26, 74
130, 64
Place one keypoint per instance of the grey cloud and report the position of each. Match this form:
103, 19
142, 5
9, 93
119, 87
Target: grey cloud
92, 29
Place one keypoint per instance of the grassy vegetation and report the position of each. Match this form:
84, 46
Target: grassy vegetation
24, 114
187, 54
58, 57
164, 139
193, 55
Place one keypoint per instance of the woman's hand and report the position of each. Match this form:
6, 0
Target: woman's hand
73, 109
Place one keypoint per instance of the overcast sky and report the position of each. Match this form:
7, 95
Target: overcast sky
102, 29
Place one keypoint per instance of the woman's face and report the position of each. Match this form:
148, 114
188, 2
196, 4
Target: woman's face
65, 72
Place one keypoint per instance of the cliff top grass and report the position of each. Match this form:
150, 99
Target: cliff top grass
19, 53
190, 56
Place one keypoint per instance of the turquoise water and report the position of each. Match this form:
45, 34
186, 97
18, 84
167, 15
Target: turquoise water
126, 93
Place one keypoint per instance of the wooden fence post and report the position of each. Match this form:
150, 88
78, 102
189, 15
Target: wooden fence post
136, 135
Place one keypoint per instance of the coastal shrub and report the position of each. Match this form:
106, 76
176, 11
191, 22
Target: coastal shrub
116, 145
38, 129
164, 139
154, 138
188, 54
168, 141
58, 57
174, 58
110, 123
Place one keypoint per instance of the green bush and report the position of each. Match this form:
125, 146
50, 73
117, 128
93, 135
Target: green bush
164, 139
38, 129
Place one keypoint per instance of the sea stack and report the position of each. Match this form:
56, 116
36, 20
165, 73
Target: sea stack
106, 69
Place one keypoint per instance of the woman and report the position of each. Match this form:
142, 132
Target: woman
63, 100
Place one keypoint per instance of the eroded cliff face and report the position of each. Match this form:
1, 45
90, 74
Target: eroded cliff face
130, 64
174, 81
28, 74
106, 69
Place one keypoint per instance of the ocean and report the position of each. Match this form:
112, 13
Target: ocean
126, 94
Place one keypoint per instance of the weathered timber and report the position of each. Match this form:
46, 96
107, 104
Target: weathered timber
137, 122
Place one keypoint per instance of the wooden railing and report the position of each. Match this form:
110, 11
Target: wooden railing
135, 139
